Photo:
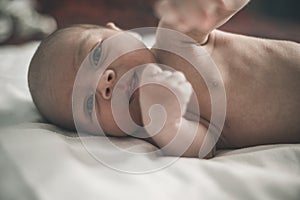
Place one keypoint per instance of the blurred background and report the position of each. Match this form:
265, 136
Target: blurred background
25, 20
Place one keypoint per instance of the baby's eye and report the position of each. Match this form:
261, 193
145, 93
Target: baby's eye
96, 55
90, 104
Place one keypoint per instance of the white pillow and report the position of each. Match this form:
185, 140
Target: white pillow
16, 105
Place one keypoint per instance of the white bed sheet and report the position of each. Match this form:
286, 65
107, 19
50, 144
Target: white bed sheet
41, 161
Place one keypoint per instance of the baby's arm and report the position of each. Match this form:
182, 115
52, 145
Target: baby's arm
177, 136
197, 18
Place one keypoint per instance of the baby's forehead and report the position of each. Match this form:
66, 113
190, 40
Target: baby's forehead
64, 50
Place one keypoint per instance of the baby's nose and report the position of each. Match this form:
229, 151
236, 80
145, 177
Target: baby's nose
106, 84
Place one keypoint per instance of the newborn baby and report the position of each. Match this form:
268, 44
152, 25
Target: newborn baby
261, 83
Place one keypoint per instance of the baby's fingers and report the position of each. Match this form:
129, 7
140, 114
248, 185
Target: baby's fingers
166, 11
187, 88
184, 95
162, 8
235, 5
151, 70
178, 76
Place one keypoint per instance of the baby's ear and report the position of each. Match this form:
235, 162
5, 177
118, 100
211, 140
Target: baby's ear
112, 25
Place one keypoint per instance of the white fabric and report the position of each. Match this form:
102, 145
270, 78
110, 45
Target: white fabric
55, 165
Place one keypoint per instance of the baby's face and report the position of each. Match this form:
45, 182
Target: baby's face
89, 51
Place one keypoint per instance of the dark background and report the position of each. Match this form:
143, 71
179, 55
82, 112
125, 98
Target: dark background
279, 19
126, 13
265, 18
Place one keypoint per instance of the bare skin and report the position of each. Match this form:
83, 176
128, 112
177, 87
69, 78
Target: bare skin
261, 79
262, 89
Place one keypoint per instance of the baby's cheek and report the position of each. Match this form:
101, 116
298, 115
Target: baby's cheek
112, 129
119, 123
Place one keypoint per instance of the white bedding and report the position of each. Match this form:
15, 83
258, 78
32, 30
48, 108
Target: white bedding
41, 161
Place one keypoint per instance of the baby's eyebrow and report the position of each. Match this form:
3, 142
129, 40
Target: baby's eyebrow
80, 47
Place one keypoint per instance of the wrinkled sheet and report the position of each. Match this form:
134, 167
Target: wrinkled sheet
40, 161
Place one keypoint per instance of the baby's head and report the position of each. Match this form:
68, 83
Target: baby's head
55, 64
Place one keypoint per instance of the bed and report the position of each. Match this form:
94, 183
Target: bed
41, 161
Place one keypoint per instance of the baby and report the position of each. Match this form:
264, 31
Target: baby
261, 79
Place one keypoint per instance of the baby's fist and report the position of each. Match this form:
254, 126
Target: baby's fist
168, 89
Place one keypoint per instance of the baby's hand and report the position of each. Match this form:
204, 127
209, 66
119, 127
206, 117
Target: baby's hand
201, 15
168, 89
